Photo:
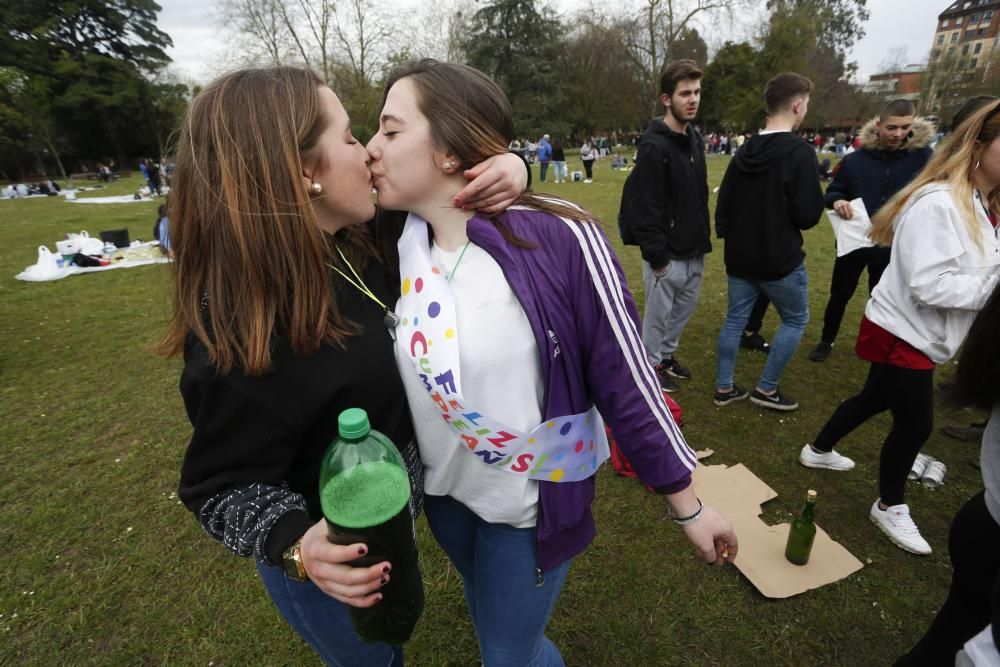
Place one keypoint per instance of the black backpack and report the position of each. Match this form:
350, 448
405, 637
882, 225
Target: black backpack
625, 210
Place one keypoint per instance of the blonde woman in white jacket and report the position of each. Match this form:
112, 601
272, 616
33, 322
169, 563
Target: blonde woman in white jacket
944, 266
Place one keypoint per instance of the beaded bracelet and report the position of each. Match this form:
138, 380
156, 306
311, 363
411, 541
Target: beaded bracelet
687, 520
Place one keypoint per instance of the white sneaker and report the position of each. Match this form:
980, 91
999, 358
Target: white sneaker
810, 458
896, 523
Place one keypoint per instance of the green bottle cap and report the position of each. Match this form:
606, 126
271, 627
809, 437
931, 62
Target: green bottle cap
353, 424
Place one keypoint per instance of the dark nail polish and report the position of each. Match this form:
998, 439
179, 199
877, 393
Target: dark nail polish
385, 580
362, 551
385, 569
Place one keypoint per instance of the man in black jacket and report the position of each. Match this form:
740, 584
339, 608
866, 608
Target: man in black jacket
770, 193
664, 210
894, 149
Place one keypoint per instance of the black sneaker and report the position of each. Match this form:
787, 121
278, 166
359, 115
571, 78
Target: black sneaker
666, 382
675, 369
775, 401
733, 394
821, 352
754, 342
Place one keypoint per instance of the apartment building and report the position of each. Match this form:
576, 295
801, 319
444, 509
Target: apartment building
967, 31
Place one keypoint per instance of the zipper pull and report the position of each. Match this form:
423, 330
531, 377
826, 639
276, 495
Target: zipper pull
539, 577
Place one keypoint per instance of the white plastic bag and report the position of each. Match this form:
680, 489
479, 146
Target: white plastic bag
46, 268
88, 246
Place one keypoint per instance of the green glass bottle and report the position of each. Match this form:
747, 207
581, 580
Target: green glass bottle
801, 533
364, 491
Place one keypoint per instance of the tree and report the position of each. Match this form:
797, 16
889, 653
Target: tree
519, 46
84, 65
690, 45
596, 80
347, 43
258, 29
791, 39
658, 24
732, 89
840, 23
950, 80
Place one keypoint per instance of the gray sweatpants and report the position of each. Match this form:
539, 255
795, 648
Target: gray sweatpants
670, 302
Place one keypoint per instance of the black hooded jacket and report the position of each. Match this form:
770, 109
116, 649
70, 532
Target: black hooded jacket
664, 207
770, 193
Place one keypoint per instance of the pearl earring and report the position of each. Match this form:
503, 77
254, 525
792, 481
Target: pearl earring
448, 165
316, 188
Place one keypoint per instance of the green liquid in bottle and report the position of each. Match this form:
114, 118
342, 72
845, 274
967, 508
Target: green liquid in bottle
801, 533
364, 491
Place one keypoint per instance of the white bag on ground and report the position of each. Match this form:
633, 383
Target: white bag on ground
88, 246
46, 268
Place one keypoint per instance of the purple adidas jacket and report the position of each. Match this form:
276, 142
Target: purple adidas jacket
585, 323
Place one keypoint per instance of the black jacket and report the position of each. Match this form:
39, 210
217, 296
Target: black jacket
875, 174
770, 193
664, 207
251, 470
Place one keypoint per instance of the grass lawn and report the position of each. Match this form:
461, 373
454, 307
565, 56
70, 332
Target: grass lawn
109, 568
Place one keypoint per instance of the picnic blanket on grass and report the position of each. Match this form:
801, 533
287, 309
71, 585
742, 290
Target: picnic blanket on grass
119, 199
67, 271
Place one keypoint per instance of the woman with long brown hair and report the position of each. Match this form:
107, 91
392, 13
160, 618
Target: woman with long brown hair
270, 191
517, 334
944, 266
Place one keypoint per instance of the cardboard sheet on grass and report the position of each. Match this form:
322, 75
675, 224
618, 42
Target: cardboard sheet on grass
739, 494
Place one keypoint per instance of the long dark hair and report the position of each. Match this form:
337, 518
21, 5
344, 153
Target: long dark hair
471, 117
978, 379
250, 257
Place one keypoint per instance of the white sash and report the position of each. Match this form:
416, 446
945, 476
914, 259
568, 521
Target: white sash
564, 449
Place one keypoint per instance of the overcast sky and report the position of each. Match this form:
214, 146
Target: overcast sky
199, 49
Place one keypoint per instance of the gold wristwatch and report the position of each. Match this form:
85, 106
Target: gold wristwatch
292, 561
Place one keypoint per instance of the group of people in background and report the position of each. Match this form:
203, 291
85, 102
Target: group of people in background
548, 151
44, 186
932, 253
545, 326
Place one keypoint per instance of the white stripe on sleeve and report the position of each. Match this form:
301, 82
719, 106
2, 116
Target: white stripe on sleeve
628, 337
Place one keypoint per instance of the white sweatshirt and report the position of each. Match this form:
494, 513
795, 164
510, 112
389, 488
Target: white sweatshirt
938, 278
501, 376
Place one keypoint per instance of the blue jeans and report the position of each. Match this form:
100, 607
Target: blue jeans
543, 168
324, 623
497, 563
790, 297
560, 169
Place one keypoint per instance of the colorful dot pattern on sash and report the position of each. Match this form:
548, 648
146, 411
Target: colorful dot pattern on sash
558, 450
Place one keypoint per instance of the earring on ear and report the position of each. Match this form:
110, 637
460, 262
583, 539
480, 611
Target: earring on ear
977, 166
316, 188
448, 165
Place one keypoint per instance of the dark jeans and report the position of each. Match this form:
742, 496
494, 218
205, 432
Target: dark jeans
908, 395
966, 610
543, 168
846, 273
588, 165
325, 623
791, 299
509, 607
756, 320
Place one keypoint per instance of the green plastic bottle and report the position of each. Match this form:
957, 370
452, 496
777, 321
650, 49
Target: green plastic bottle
364, 491
802, 533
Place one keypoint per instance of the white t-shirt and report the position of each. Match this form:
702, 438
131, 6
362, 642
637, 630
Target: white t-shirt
501, 377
